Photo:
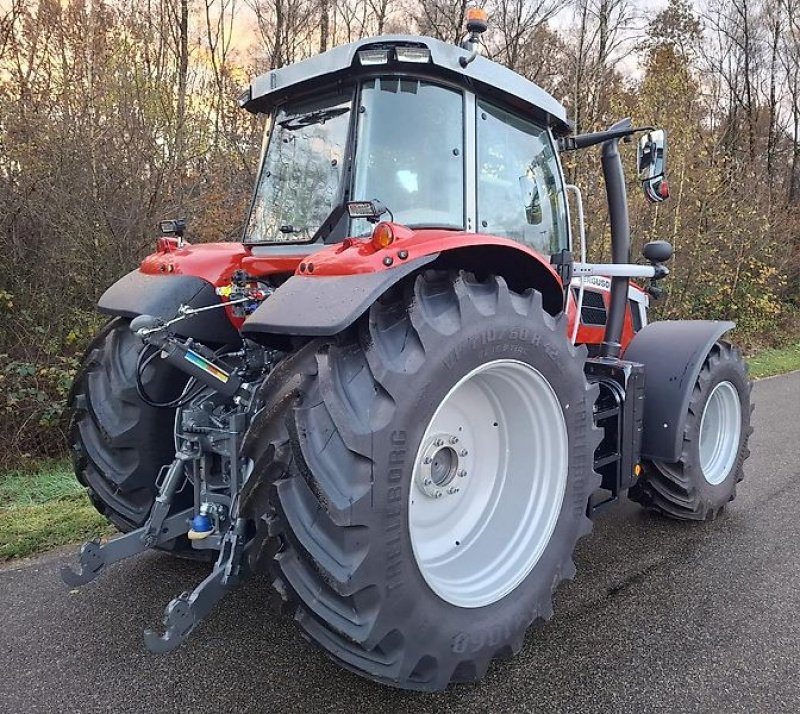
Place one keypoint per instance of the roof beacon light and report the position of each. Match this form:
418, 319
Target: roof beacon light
477, 23
477, 20
373, 57
418, 55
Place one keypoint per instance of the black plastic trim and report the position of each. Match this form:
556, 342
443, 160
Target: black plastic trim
325, 305
140, 293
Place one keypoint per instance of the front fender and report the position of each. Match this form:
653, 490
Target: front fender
672, 352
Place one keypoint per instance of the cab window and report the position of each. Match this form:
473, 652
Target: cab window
410, 152
520, 191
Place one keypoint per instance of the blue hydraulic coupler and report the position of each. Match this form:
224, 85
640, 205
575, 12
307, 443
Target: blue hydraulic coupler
201, 527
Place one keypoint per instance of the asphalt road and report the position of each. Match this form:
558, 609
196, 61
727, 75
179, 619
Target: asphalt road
662, 616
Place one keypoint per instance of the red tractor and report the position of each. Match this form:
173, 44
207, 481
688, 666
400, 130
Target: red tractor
407, 423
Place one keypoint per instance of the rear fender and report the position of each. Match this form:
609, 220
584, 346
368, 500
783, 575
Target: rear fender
337, 285
161, 295
672, 352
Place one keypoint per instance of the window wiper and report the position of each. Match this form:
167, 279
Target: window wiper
318, 116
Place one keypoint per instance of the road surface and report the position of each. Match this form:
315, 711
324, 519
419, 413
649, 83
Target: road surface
662, 616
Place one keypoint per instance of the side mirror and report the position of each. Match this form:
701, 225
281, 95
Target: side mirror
651, 162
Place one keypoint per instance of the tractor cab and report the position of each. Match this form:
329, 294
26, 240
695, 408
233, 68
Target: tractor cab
441, 137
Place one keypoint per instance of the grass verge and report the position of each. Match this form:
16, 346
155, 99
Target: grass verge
43, 509
768, 363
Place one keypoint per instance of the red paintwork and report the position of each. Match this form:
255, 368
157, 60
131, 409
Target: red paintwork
359, 255
216, 262
213, 262
593, 334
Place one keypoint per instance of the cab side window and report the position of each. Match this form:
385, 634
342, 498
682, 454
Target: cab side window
520, 192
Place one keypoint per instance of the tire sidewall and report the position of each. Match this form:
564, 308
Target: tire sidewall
503, 336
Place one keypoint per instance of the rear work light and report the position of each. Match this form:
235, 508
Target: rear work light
373, 57
418, 55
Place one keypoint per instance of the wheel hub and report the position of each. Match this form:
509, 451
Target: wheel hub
441, 463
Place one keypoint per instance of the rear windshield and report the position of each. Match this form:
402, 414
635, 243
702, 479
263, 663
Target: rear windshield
302, 171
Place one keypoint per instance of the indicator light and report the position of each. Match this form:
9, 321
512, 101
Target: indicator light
382, 236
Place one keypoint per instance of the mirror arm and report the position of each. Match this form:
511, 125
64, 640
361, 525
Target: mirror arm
583, 141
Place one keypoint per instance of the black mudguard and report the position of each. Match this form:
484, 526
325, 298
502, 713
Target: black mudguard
161, 295
323, 306
672, 352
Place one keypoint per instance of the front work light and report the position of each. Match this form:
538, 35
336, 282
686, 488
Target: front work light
373, 57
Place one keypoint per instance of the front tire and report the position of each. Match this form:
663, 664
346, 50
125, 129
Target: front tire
703, 480
371, 578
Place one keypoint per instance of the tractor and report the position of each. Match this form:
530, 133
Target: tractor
404, 394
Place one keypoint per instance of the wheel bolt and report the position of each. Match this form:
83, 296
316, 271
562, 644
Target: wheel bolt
438, 494
453, 439
462, 473
452, 490
464, 452
427, 482
427, 460
438, 442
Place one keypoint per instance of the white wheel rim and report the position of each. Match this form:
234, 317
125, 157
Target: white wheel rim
720, 428
488, 483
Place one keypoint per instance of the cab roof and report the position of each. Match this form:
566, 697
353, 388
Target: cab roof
486, 78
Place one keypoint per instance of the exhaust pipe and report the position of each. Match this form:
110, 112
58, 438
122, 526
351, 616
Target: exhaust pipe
617, 198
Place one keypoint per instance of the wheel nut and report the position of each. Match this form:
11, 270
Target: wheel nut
464, 452
452, 490
427, 482
453, 439
438, 494
427, 460
438, 442
462, 473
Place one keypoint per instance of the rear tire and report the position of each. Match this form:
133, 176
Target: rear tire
119, 443
342, 465
700, 484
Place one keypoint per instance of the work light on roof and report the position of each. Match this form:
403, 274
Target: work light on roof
418, 55
415, 55
373, 57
